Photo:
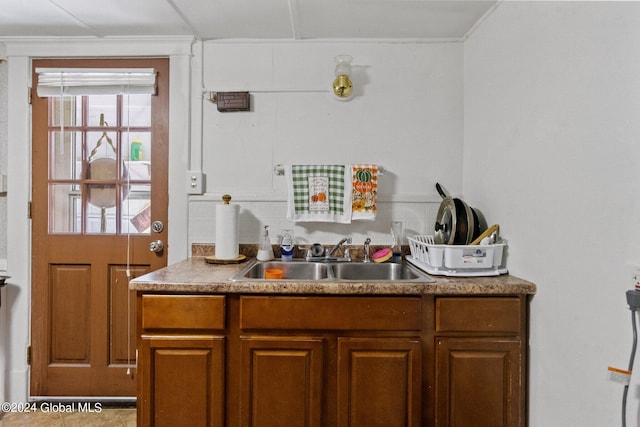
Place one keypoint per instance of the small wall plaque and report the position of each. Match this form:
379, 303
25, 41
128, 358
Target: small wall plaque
233, 101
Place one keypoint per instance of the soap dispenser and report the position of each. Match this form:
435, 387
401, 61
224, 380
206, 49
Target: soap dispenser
265, 251
286, 246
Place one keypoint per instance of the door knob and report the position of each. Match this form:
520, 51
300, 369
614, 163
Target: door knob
156, 246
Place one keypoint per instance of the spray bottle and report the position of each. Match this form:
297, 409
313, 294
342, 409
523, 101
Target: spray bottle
286, 246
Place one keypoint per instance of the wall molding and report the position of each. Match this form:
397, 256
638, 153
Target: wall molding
88, 46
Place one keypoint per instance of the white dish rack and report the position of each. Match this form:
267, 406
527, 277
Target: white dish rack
456, 260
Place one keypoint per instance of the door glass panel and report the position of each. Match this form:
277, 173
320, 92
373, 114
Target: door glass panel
101, 210
67, 109
105, 105
136, 111
139, 144
65, 218
101, 145
99, 169
136, 216
66, 155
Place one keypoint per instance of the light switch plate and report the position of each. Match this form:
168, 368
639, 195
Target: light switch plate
195, 182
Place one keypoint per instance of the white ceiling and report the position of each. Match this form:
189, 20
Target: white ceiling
243, 19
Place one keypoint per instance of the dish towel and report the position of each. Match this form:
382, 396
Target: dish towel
365, 192
319, 193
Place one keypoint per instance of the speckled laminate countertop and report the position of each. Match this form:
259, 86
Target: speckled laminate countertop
194, 275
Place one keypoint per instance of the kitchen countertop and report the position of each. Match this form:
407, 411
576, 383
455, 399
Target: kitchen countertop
194, 275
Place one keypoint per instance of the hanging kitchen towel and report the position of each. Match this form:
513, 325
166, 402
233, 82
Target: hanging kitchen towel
319, 193
365, 192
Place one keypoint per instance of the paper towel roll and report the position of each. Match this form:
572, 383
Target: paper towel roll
226, 231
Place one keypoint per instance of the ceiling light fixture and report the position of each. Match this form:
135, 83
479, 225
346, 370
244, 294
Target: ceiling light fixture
342, 86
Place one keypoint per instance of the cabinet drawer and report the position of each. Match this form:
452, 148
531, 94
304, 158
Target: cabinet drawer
491, 314
183, 312
337, 313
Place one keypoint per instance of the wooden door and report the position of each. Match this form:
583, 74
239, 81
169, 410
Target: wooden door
99, 182
478, 382
379, 382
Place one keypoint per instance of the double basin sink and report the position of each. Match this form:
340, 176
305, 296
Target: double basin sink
307, 271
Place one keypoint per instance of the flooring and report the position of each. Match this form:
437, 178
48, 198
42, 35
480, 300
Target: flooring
71, 415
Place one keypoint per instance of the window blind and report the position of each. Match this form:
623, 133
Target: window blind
95, 81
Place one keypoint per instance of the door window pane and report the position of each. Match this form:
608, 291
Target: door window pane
99, 169
65, 155
139, 145
101, 145
101, 210
66, 217
136, 111
67, 109
136, 215
102, 105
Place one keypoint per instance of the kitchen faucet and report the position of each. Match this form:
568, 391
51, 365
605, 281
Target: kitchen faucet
337, 246
366, 250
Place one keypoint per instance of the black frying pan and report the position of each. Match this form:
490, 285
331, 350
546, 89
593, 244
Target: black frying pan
455, 224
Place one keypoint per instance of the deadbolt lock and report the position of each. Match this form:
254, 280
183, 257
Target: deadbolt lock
157, 226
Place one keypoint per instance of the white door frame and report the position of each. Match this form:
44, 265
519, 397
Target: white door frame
15, 315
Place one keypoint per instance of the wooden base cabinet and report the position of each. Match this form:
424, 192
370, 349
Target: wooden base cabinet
182, 381
478, 382
480, 361
181, 360
331, 361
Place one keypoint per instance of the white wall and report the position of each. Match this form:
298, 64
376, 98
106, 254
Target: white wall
406, 115
552, 120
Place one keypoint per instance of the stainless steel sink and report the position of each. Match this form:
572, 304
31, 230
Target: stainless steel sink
292, 270
376, 272
306, 271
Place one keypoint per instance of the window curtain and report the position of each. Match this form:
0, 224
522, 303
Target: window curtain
95, 81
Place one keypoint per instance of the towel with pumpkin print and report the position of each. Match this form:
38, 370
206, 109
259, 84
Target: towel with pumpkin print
319, 193
365, 192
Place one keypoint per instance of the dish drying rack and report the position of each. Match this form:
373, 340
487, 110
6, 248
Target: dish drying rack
456, 260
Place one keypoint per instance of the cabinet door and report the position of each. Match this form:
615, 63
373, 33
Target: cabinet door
281, 380
182, 381
478, 382
379, 382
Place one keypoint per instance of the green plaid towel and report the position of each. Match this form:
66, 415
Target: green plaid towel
317, 193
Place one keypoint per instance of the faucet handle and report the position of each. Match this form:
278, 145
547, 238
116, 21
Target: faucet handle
366, 250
